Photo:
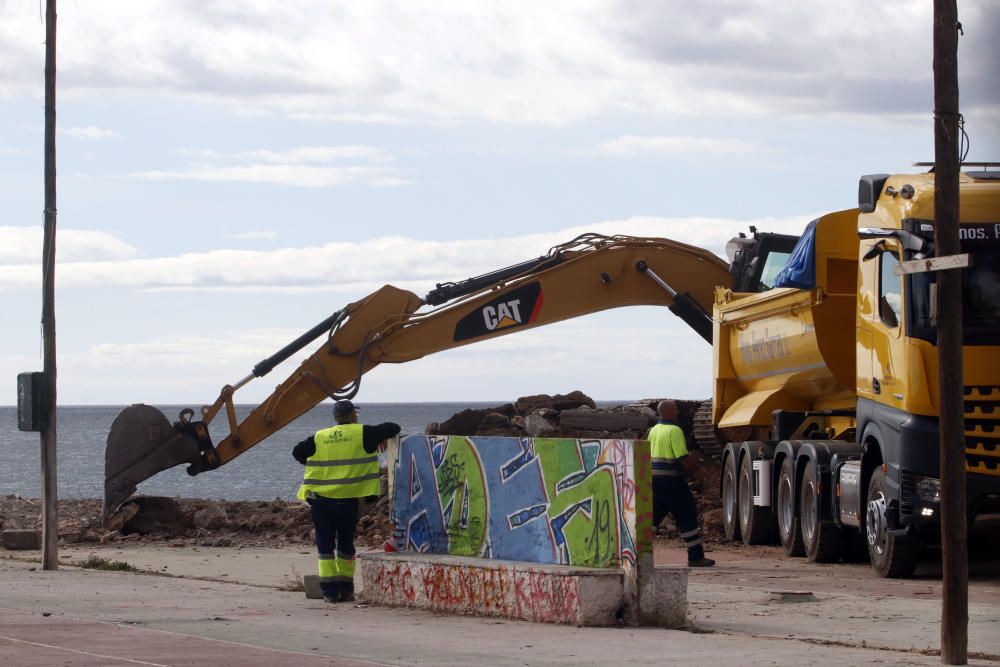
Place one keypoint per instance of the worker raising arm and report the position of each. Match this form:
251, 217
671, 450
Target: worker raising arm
341, 468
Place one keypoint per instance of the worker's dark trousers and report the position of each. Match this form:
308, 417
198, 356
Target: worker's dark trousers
672, 495
335, 520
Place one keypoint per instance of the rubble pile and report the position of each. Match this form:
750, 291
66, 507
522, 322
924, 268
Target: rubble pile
188, 522
572, 415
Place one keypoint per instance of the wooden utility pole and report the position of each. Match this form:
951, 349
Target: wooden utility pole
50, 519
954, 544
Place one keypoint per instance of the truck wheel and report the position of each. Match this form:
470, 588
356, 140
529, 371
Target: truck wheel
823, 541
891, 555
788, 523
756, 523
730, 511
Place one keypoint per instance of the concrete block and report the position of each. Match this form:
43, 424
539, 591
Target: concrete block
311, 583
17, 539
663, 598
485, 587
597, 420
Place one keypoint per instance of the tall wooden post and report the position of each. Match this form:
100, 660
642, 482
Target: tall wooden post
50, 520
954, 541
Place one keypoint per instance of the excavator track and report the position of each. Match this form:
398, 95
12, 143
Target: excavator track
705, 434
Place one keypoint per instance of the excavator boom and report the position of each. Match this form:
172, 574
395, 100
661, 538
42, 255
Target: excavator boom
589, 274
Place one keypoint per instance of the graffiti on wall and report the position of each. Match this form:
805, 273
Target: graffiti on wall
488, 591
543, 500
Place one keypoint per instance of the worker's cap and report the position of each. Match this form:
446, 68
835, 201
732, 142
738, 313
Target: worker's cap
343, 408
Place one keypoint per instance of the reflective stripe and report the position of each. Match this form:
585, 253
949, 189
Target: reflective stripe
657, 459
327, 556
345, 462
691, 533
693, 543
336, 579
668, 473
327, 568
343, 480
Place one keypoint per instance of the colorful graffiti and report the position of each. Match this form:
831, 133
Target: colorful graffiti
543, 500
501, 590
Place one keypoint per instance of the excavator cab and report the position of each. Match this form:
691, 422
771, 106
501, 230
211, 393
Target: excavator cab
756, 260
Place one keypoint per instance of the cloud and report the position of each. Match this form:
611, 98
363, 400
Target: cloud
22, 246
88, 133
635, 146
347, 266
262, 235
312, 154
304, 166
651, 354
293, 175
12, 151
553, 62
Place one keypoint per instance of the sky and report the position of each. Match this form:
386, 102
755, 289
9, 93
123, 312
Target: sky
230, 173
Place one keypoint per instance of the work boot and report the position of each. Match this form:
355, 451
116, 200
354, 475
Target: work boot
347, 593
333, 595
701, 562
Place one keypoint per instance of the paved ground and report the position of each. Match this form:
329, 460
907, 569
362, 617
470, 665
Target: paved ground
237, 614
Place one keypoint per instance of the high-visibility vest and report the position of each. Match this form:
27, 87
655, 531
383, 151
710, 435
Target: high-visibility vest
340, 467
667, 445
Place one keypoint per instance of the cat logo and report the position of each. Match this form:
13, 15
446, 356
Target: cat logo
504, 314
513, 309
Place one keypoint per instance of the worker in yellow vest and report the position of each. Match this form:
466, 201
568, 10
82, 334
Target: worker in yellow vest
341, 468
671, 493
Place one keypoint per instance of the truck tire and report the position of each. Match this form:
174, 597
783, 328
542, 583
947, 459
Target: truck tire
756, 523
730, 507
823, 541
789, 531
891, 555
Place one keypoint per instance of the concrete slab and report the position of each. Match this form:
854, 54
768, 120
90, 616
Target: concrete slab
17, 539
313, 590
484, 587
669, 603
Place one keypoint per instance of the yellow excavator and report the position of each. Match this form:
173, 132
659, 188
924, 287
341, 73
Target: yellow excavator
586, 275
825, 394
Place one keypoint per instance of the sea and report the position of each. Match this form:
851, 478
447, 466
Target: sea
265, 472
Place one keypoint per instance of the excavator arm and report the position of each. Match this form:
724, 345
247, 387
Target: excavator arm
589, 274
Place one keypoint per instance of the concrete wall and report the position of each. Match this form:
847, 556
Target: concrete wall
526, 591
541, 500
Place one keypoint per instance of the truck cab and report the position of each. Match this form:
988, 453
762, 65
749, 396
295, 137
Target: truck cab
897, 363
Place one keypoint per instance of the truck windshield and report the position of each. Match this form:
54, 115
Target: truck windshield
775, 262
980, 302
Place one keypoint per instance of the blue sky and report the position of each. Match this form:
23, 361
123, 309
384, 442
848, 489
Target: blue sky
231, 173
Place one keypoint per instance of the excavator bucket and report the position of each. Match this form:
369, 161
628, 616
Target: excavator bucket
141, 443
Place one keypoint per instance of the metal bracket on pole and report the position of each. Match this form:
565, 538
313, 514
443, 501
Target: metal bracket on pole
934, 264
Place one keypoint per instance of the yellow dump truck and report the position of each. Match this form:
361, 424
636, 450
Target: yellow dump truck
826, 384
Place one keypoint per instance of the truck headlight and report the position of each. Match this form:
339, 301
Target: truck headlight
929, 489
